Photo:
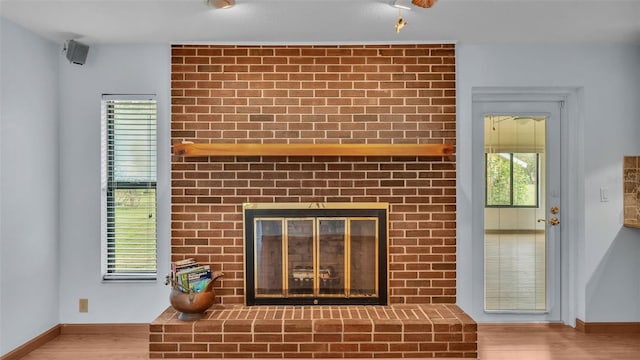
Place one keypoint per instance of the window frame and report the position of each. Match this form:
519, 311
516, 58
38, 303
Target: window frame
511, 190
107, 172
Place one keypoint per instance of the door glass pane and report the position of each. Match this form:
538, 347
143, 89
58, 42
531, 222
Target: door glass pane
268, 273
498, 179
363, 257
300, 253
332, 247
525, 179
515, 231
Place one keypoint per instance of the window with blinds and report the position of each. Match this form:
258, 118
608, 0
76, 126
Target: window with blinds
129, 187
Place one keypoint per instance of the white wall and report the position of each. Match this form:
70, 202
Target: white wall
607, 281
131, 69
28, 185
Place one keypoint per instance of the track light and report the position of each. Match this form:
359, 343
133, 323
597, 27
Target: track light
400, 23
221, 4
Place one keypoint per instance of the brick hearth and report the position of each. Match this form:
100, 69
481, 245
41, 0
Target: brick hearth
236, 331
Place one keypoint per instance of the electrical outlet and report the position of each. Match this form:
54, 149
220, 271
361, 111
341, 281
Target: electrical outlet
83, 305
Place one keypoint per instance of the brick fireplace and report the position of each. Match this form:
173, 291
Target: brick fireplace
387, 94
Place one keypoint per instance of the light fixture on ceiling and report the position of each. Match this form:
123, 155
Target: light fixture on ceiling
400, 23
398, 5
424, 3
221, 4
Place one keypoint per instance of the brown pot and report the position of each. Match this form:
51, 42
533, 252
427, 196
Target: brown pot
193, 306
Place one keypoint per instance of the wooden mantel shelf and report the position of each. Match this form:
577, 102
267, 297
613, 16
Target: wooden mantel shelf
204, 150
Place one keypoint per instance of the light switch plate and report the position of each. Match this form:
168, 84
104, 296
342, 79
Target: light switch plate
604, 194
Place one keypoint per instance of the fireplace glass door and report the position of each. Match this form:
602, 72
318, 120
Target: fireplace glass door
321, 256
316, 259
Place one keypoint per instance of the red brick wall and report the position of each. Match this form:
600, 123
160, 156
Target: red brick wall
317, 94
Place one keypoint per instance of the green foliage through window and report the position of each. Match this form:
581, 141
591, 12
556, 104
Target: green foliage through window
512, 179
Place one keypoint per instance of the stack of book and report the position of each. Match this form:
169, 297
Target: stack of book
190, 277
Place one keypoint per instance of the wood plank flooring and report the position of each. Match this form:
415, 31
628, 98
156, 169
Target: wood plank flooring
131, 346
557, 342
495, 342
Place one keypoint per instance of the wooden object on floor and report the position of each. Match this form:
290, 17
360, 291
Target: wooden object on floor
204, 150
33, 344
608, 327
104, 329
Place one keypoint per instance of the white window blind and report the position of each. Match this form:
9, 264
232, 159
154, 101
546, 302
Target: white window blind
129, 188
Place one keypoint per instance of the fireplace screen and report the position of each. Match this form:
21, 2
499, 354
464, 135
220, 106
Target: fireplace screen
316, 253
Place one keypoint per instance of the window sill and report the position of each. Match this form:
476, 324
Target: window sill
112, 278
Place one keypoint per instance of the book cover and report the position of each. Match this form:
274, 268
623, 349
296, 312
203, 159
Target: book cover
198, 279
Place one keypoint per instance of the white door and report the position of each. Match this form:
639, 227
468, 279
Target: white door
517, 168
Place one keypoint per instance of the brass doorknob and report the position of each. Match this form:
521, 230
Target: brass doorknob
553, 221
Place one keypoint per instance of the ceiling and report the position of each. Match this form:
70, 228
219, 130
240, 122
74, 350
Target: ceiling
328, 21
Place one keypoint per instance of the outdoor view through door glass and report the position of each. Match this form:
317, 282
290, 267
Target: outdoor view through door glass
514, 236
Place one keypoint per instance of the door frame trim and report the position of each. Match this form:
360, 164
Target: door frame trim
571, 182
